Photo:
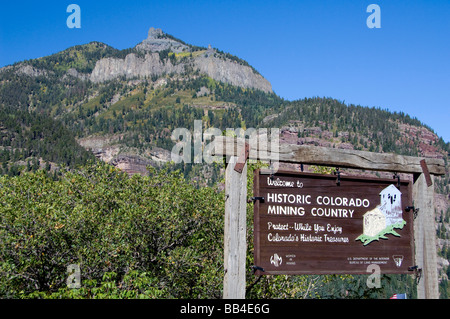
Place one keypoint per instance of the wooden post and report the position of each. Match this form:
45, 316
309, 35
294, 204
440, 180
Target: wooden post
235, 241
425, 237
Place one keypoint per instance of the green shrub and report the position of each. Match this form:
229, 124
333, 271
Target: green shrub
133, 237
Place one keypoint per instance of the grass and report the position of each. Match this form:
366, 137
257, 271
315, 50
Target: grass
382, 234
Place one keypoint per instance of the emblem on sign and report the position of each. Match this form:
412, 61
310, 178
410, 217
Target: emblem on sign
276, 260
398, 260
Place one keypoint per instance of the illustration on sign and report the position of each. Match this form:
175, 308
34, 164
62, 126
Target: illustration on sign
383, 219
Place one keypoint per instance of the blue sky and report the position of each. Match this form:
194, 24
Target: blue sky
304, 48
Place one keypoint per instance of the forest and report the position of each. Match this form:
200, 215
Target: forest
28, 137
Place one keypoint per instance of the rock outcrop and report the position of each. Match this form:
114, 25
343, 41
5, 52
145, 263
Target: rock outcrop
133, 66
148, 63
132, 164
30, 70
227, 71
158, 41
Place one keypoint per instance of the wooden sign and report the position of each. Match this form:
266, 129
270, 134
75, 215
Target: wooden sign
323, 224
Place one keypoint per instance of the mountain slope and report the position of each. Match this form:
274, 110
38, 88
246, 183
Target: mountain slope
26, 139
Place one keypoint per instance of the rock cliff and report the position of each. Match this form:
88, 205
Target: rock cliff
133, 66
148, 62
227, 71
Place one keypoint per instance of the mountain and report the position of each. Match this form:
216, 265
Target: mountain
93, 101
123, 104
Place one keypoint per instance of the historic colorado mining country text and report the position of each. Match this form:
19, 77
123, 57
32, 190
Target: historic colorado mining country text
309, 224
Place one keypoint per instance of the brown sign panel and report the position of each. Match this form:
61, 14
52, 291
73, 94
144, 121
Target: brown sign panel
310, 224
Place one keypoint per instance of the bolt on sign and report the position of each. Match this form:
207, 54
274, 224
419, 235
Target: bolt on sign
323, 224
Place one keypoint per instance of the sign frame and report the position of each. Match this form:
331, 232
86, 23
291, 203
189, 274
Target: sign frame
361, 266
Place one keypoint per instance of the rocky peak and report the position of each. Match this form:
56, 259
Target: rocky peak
157, 41
217, 66
154, 33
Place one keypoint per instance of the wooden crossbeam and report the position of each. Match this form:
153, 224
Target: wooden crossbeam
318, 155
